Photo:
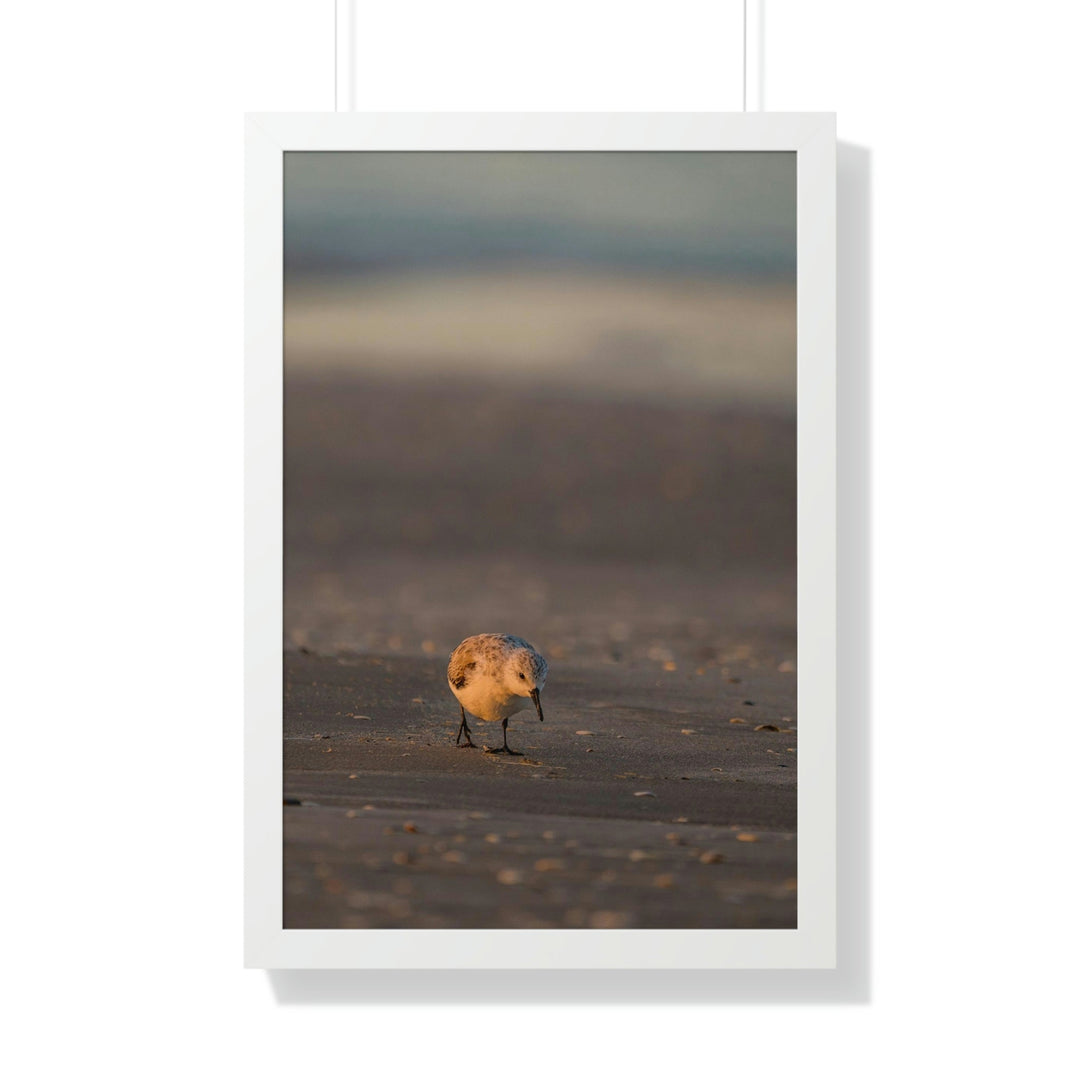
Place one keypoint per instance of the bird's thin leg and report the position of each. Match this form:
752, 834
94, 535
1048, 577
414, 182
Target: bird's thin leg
505, 748
464, 728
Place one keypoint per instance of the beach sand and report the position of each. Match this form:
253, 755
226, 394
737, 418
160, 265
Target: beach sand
389, 824
647, 550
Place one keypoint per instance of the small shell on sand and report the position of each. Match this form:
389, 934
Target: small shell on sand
747, 837
709, 857
507, 876
645, 794
584, 732
549, 864
737, 720
766, 727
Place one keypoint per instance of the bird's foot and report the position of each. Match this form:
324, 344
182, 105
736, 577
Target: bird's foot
467, 745
502, 750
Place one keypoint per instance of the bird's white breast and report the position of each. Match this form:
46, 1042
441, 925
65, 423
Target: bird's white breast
488, 699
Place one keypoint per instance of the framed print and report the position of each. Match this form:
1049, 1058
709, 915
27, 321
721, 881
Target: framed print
540, 553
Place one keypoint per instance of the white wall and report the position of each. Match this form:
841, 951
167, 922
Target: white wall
121, 441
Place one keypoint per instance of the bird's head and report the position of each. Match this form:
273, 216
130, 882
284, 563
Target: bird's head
525, 676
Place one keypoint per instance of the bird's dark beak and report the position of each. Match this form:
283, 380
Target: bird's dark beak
535, 695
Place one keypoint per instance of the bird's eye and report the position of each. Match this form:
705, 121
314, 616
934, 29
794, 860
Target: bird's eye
520, 675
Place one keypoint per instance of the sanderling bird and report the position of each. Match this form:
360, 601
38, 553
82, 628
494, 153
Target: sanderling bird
493, 676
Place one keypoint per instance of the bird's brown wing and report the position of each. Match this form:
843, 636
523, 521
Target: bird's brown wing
461, 666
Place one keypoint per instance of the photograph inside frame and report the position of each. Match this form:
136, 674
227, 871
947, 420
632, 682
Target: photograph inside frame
540, 540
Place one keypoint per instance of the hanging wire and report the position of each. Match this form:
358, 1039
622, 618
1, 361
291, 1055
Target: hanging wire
744, 2
337, 103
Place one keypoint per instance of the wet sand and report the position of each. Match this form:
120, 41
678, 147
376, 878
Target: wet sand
388, 823
647, 551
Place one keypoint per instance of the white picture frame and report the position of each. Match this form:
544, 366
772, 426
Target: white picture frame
811, 136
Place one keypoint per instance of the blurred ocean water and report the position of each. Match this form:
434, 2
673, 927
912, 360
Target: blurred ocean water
627, 275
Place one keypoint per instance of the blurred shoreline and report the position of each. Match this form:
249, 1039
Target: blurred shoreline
688, 340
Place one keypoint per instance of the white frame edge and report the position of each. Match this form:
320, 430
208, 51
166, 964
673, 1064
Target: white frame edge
812, 136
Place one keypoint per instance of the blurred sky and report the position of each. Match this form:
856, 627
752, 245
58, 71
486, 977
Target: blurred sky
639, 275
714, 213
